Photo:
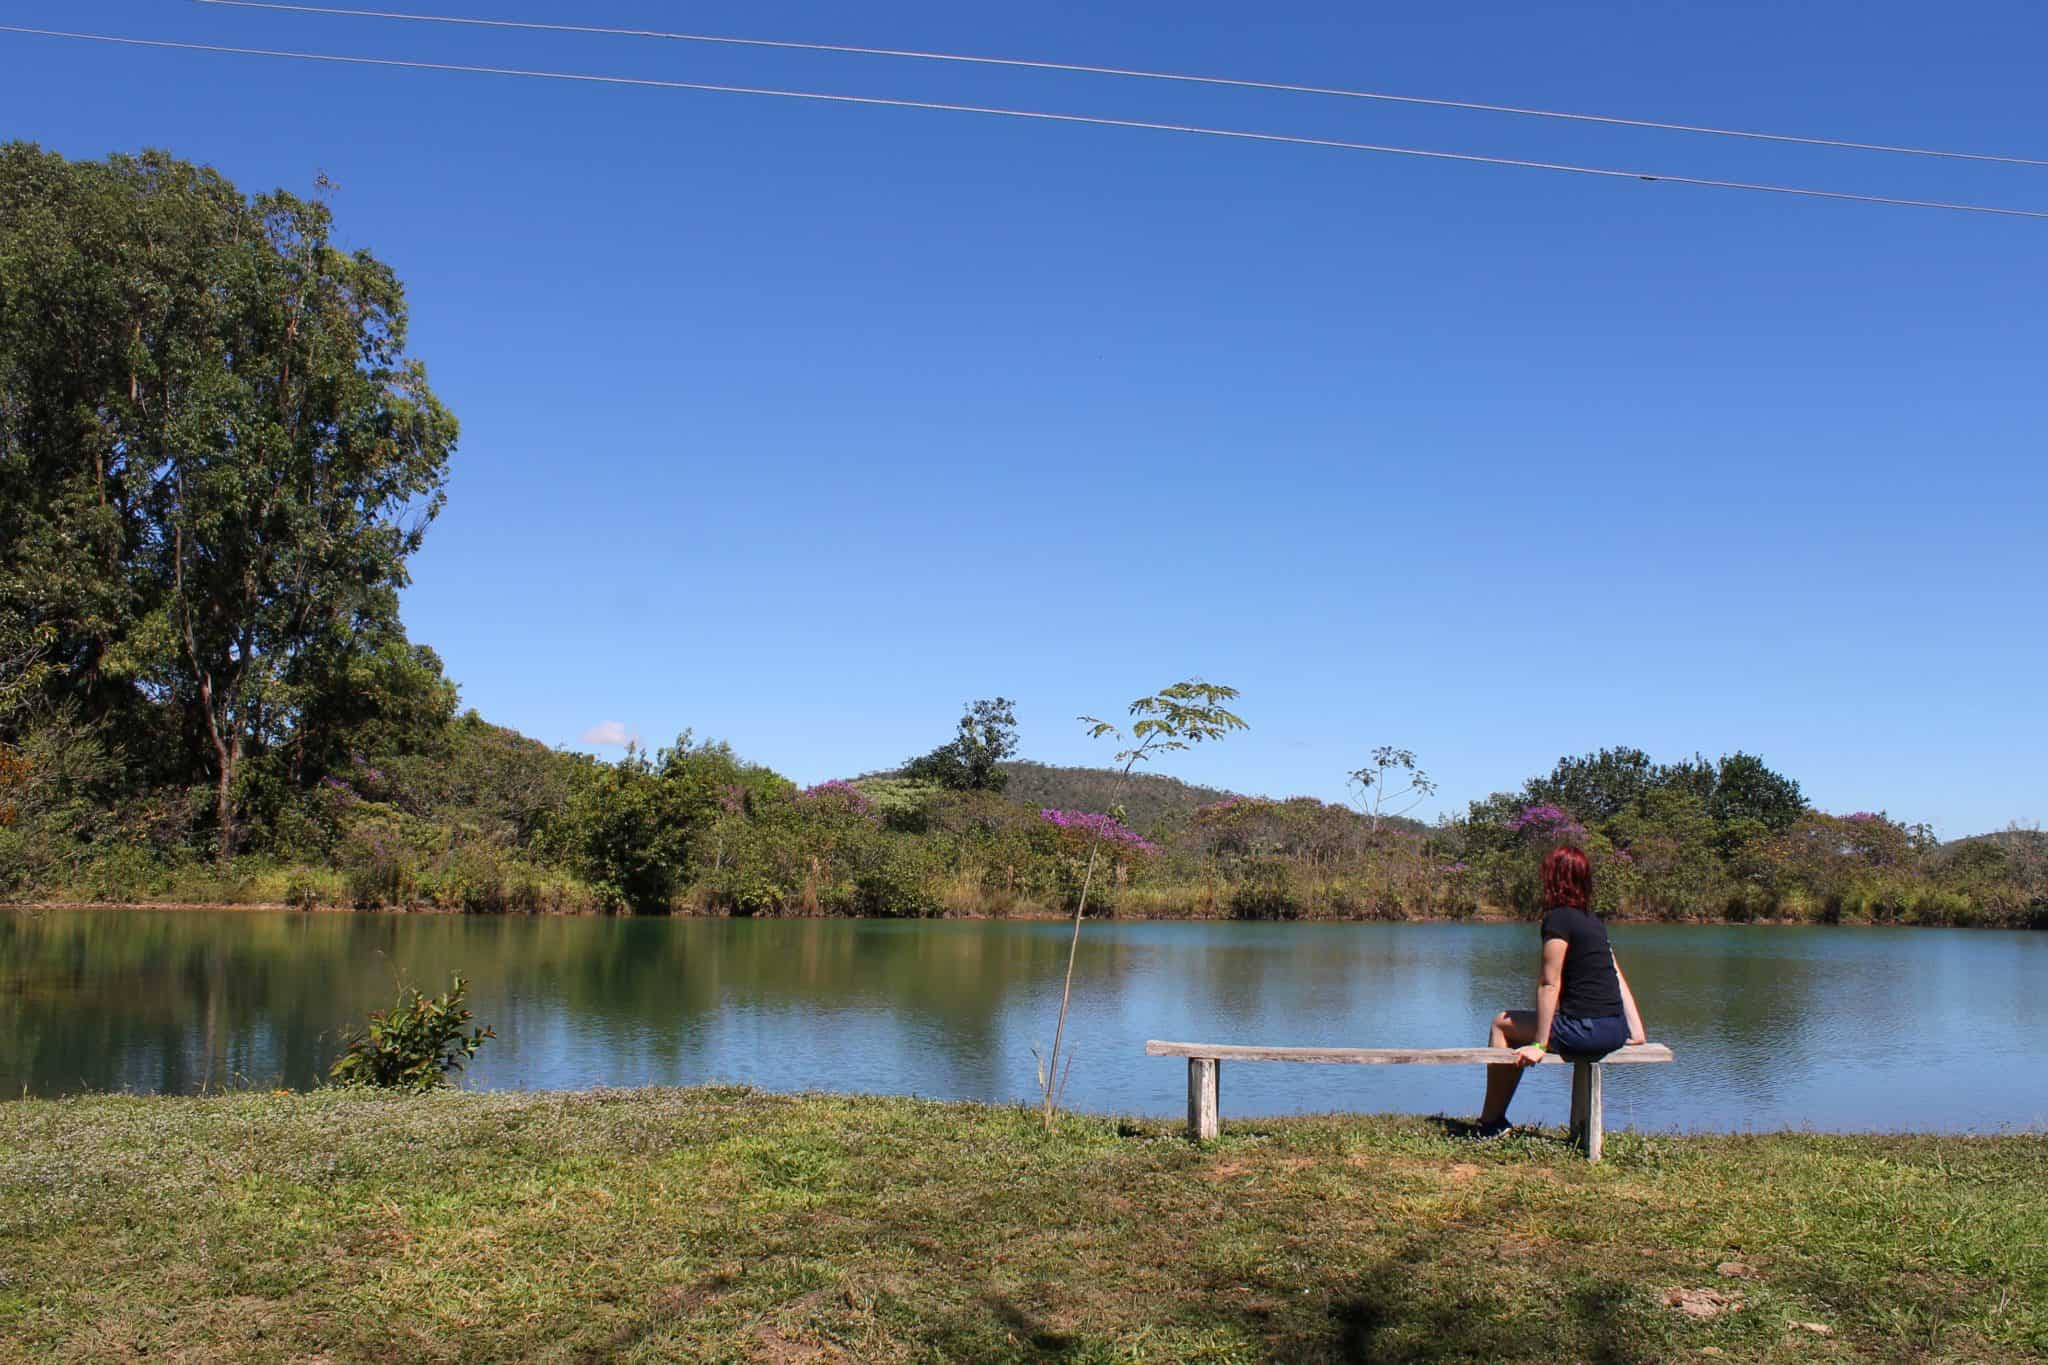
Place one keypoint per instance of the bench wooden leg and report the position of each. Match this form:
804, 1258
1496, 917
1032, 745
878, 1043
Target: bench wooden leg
1205, 1118
1586, 1114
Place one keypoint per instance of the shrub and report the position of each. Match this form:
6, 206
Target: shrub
121, 872
305, 888
378, 872
416, 1045
624, 835
1265, 891
477, 878
896, 878
16, 871
904, 805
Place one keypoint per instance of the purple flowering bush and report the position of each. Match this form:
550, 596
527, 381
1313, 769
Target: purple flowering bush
1547, 822
1073, 837
837, 797
1108, 828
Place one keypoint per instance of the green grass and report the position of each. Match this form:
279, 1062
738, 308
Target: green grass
726, 1224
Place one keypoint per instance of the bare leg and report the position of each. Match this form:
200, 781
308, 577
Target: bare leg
1511, 1028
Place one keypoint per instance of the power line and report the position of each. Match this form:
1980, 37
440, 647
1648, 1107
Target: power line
1130, 72
1040, 115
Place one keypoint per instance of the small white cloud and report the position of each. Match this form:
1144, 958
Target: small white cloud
609, 734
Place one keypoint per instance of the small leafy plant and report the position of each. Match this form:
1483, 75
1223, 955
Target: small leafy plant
1177, 717
417, 1045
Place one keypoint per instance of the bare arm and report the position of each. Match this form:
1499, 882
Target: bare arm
1549, 982
1628, 1008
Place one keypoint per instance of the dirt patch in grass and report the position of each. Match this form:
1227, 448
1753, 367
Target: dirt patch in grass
1702, 1303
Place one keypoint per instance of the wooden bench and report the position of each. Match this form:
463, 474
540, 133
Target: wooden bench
1205, 1060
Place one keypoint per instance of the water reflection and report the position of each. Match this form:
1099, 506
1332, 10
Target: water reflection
1830, 1028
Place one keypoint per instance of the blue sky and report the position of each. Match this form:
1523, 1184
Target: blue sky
801, 424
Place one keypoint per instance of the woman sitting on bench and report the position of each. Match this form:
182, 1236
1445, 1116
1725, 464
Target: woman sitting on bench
1583, 1004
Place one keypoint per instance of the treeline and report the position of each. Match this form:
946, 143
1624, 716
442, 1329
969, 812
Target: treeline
216, 458
1732, 839
478, 818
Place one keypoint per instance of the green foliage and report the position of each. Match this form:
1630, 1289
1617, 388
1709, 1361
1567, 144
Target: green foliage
904, 804
1597, 786
1266, 888
511, 789
1242, 829
24, 646
60, 775
1738, 790
505, 825
622, 833
1177, 717
895, 877
1747, 792
638, 829
379, 867
215, 459
1732, 839
1667, 860
972, 759
417, 1045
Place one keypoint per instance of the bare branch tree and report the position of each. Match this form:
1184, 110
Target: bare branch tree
1390, 764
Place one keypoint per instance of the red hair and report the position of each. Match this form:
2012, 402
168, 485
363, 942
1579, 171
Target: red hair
1567, 878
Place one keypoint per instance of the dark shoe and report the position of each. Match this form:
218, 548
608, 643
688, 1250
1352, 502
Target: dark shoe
1486, 1132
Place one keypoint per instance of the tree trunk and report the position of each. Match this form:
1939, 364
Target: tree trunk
224, 795
226, 758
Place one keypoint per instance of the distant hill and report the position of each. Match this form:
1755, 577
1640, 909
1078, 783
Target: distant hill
1152, 801
2012, 840
2018, 853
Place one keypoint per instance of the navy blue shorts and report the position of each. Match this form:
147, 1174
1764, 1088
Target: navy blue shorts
1574, 1037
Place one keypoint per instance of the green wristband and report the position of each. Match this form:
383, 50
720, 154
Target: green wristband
1541, 1047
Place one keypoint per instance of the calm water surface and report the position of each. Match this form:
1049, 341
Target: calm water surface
1829, 1028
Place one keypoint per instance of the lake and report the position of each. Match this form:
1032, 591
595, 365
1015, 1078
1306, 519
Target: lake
1830, 1028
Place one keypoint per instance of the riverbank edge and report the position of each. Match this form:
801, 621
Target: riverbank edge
724, 1223
1483, 916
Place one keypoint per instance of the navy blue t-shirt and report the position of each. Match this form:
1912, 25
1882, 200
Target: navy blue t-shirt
1590, 990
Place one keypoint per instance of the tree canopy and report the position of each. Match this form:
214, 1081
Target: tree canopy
972, 759
215, 458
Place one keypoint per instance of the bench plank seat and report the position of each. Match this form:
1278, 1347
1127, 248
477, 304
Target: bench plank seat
1389, 1056
1205, 1063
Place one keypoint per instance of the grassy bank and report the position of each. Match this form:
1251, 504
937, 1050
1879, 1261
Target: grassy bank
729, 1225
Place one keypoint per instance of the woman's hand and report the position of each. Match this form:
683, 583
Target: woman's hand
1529, 1055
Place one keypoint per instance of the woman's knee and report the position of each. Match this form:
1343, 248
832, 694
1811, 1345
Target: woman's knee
1515, 1026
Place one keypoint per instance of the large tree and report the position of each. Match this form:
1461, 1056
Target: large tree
215, 453
1596, 787
972, 759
